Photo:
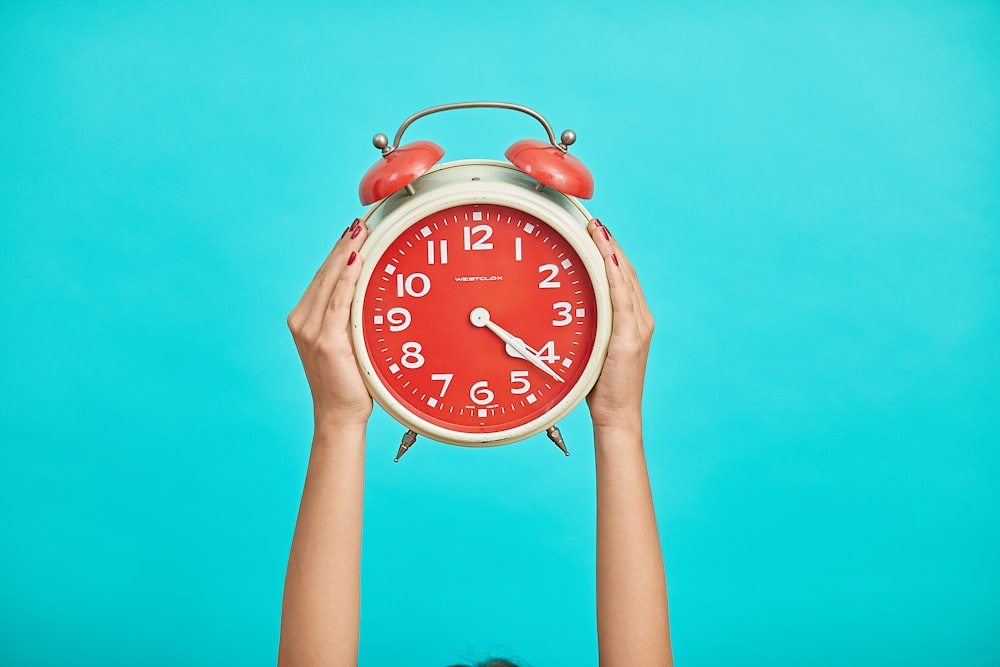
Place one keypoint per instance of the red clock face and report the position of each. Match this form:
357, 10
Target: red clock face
479, 318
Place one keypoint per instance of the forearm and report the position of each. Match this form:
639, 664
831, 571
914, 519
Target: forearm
321, 607
632, 619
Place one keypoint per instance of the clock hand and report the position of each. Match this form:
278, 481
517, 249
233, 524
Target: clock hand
480, 317
511, 352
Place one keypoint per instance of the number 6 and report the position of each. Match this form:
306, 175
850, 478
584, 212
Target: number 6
480, 394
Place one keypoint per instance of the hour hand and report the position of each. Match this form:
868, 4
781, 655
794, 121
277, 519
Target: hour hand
480, 317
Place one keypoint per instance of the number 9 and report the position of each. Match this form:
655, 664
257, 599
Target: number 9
399, 319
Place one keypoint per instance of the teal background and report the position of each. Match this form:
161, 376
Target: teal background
810, 193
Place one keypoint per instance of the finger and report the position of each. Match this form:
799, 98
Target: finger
633, 279
609, 246
329, 274
624, 322
623, 303
300, 313
337, 313
607, 243
348, 270
626, 265
322, 278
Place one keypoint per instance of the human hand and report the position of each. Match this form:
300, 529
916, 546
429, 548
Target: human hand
320, 326
616, 399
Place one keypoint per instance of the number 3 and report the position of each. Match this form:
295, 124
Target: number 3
564, 308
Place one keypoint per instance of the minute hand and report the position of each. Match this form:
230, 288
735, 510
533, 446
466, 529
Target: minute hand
480, 317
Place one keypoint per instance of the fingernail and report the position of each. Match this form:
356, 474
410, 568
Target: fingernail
354, 256
354, 234
356, 223
345, 232
597, 223
606, 235
614, 258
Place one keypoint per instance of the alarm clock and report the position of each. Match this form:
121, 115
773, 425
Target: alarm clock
482, 314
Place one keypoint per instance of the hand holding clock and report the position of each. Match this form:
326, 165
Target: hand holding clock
319, 326
616, 399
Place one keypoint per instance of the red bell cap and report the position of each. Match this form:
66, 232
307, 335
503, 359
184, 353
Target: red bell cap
398, 169
551, 166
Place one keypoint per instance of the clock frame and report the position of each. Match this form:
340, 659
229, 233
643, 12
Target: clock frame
542, 184
480, 182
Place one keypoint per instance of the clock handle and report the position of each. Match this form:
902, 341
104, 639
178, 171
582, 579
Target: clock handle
548, 163
382, 142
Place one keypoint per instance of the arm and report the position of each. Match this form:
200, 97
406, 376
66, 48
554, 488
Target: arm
321, 607
633, 626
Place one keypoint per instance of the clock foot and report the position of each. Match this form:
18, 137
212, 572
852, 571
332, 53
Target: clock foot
409, 438
556, 437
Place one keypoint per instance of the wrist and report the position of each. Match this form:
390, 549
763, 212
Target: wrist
618, 420
326, 416
331, 430
622, 434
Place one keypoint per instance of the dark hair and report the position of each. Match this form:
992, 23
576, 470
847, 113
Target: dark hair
492, 662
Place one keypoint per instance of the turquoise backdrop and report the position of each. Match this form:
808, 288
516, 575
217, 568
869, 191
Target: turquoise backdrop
810, 192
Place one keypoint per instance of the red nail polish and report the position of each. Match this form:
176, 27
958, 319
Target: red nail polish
356, 223
614, 258
354, 256
606, 235
354, 234
597, 223
345, 232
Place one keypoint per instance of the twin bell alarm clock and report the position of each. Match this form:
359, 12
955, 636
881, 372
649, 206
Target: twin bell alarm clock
482, 314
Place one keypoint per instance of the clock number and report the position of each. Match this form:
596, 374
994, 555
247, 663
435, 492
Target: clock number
517, 249
399, 319
519, 377
553, 271
407, 284
547, 352
480, 394
564, 308
482, 242
411, 355
442, 253
443, 377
